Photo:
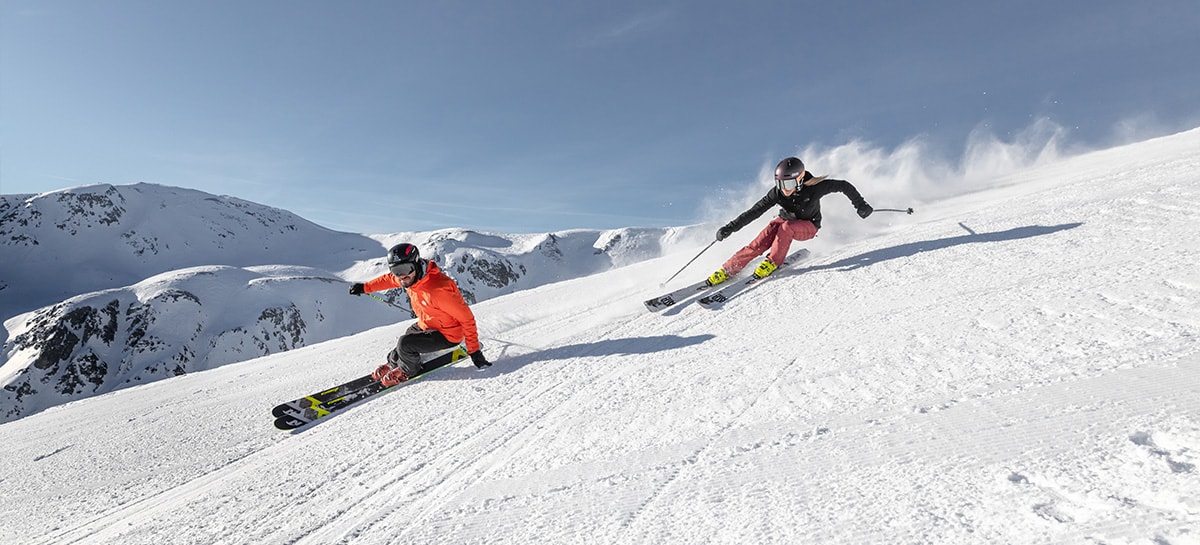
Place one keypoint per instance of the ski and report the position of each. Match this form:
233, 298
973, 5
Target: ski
736, 287
666, 300
315, 400
293, 414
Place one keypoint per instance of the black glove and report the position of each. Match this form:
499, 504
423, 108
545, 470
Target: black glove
480, 361
356, 288
865, 210
724, 232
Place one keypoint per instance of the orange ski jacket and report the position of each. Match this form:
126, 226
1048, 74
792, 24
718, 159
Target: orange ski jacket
437, 303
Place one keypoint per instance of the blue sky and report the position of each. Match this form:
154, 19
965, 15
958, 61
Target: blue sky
532, 116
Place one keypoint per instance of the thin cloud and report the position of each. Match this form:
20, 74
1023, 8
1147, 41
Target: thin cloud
638, 25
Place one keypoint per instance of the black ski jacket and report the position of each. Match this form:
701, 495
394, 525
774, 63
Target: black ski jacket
804, 204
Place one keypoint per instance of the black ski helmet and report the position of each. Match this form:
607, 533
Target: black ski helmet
788, 169
404, 258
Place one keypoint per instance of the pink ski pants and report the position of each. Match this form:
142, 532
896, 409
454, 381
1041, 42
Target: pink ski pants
777, 236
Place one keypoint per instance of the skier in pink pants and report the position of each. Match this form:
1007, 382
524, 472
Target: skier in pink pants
798, 194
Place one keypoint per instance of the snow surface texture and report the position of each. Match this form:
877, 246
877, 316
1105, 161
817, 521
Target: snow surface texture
1017, 365
217, 280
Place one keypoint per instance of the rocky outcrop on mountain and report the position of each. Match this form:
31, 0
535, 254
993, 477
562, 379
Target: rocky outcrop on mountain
172, 324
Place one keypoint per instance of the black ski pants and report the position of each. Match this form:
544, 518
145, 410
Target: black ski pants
413, 343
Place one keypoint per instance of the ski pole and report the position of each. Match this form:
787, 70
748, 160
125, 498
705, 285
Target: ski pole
905, 210
510, 343
688, 263
389, 303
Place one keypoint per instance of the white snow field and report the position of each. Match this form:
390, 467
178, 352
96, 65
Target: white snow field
1015, 365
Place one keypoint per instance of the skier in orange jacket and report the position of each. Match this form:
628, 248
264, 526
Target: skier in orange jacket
443, 318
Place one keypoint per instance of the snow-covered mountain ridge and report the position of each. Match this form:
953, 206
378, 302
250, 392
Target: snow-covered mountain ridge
84, 239
143, 282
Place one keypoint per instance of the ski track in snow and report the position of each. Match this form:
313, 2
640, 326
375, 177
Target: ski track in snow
1013, 366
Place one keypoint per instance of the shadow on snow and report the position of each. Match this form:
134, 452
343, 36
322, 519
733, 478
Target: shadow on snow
526, 355
512, 356
913, 248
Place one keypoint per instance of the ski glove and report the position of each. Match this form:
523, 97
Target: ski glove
356, 288
724, 232
865, 210
480, 361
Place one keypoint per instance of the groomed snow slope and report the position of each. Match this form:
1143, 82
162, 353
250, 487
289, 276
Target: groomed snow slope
1017, 365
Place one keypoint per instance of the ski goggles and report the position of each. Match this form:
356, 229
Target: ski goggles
789, 184
403, 269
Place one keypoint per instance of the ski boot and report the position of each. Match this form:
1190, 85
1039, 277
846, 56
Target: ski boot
393, 377
717, 277
765, 268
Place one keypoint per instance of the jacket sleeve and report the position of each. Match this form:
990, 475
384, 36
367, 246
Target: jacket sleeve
385, 282
845, 188
760, 207
454, 305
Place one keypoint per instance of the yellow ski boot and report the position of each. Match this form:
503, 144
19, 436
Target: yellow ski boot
718, 277
765, 268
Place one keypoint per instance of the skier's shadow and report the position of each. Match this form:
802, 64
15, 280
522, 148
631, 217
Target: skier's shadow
913, 248
511, 356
